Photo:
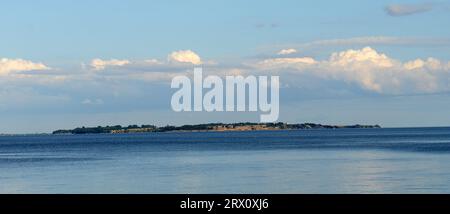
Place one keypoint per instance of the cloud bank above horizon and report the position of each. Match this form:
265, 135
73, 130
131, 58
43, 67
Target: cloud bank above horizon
366, 68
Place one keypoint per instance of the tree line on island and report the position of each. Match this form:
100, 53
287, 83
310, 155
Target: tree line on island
118, 129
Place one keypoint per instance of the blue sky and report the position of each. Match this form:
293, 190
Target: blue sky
390, 63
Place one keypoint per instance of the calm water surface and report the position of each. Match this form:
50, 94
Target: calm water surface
415, 160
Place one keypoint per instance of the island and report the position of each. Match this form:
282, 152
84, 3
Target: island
217, 127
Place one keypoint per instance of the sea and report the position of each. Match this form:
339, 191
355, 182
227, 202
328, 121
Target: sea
386, 160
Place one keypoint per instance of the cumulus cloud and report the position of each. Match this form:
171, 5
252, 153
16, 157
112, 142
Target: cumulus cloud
99, 64
287, 51
150, 70
369, 69
359, 58
365, 68
175, 61
8, 66
407, 9
184, 56
430, 63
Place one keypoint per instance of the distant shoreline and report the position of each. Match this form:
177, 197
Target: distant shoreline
185, 131
210, 127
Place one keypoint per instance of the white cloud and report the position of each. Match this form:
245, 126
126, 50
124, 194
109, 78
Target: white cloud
150, 70
99, 64
8, 66
361, 57
365, 68
407, 9
184, 56
369, 69
287, 51
430, 63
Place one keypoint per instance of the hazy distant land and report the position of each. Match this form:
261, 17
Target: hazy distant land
219, 127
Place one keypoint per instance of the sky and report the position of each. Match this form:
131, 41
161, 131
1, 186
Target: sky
71, 63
